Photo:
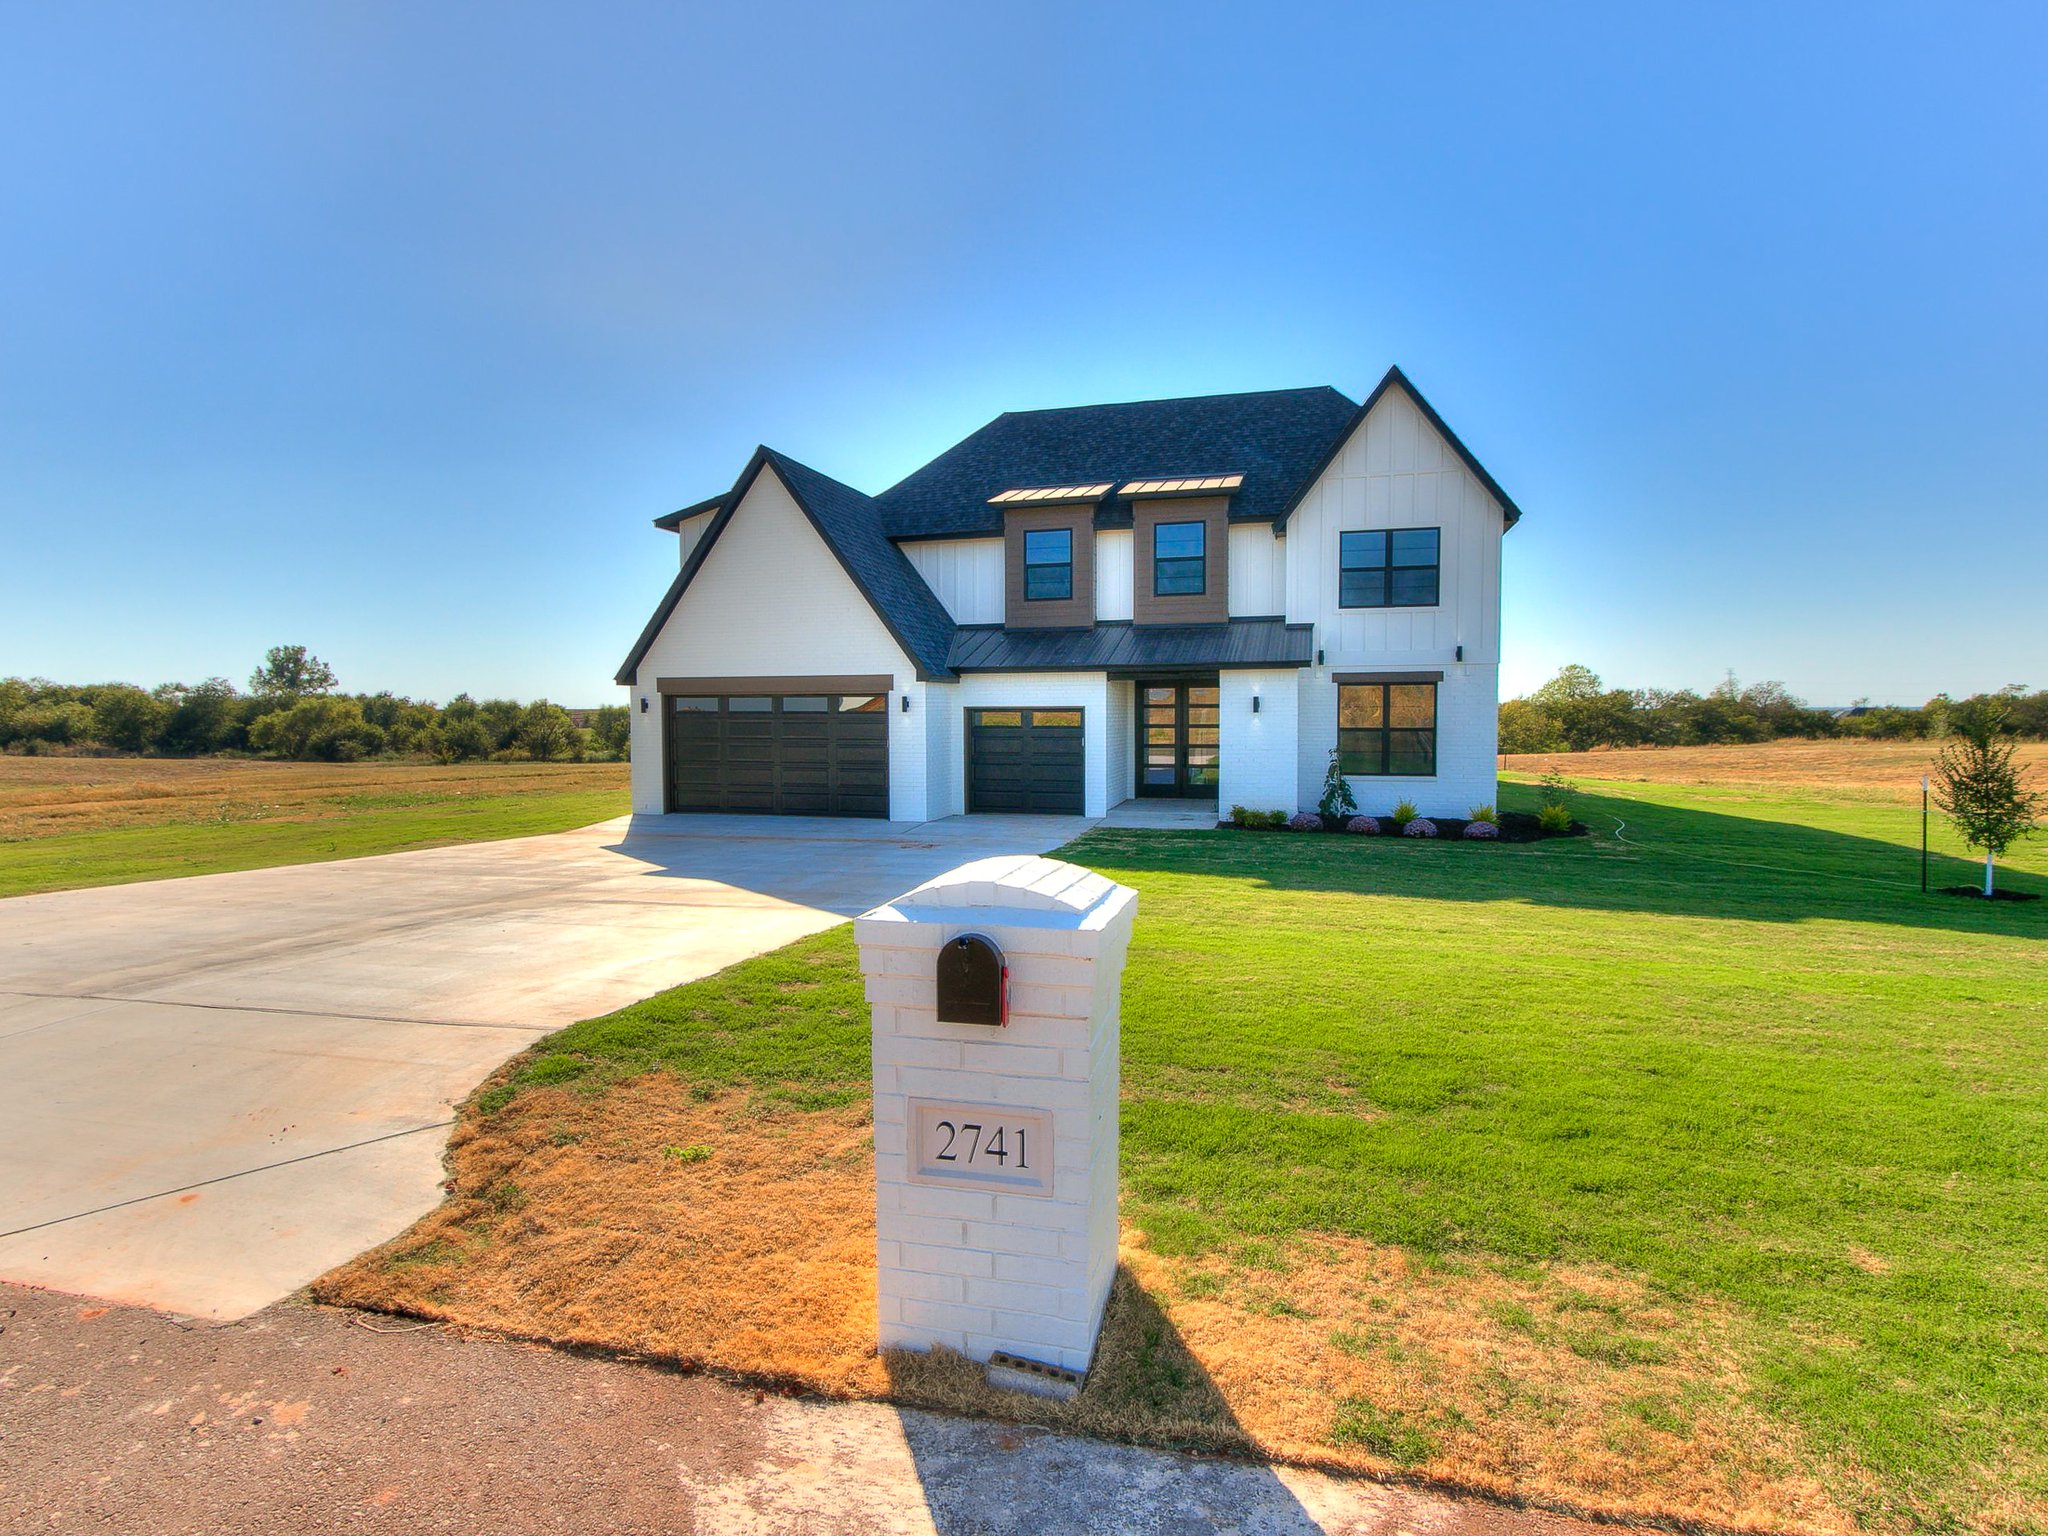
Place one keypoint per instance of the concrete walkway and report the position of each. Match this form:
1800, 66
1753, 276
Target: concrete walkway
305, 1420
214, 1089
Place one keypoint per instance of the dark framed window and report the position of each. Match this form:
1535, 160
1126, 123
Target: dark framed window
1048, 564
1387, 730
1388, 568
1179, 566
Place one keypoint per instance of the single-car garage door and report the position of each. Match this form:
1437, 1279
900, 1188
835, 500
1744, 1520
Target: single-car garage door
1025, 760
794, 754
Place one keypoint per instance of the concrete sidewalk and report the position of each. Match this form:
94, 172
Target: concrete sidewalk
305, 1420
216, 1088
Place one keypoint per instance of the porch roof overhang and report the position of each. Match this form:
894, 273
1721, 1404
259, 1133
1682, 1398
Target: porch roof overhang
1134, 649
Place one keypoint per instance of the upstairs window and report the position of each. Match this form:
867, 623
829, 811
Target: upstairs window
1388, 568
1048, 565
1387, 729
1179, 568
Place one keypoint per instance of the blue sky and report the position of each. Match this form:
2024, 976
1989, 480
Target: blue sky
386, 329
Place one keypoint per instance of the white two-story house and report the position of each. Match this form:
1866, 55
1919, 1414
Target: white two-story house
1195, 598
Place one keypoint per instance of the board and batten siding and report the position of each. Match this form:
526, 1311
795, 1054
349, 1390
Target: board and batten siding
1258, 572
771, 600
1396, 472
690, 532
1112, 574
965, 575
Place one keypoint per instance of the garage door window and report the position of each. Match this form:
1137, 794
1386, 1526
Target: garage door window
750, 706
684, 705
801, 705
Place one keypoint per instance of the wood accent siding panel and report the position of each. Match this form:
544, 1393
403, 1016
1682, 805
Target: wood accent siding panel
1076, 612
1212, 604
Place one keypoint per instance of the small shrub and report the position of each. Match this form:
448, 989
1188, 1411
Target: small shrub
1421, 826
1483, 813
1364, 826
1404, 813
1555, 817
1338, 802
695, 1152
1269, 819
1240, 817
1305, 823
1477, 828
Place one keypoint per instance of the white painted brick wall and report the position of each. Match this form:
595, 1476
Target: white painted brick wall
1261, 752
1467, 730
974, 1270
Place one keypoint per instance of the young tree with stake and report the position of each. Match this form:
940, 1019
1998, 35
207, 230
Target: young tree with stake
1979, 787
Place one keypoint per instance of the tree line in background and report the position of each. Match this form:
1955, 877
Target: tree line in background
1575, 712
291, 710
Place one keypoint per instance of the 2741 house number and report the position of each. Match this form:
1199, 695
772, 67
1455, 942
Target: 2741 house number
981, 1146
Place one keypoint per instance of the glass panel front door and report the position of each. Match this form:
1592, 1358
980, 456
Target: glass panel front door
1178, 739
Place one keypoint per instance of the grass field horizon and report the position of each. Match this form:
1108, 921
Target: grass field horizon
70, 822
1689, 1171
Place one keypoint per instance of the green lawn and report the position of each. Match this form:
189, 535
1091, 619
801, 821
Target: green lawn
1722, 1046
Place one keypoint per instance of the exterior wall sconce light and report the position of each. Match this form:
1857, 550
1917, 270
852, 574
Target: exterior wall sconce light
1255, 703
1461, 653
643, 704
906, 703
1319, 655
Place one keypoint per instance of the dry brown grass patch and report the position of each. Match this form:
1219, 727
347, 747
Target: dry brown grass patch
1867, 769
47, 796
730, 1233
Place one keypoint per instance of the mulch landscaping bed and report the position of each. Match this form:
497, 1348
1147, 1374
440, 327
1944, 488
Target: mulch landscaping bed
1515, 827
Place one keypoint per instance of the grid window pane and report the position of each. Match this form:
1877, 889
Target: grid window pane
695, 705
1362, 707
861, 703
1362, 549
1415, 588
1049, 546
1048, 564
1412, 704
1178, 578
1388, 568
1387, 729
1177, 541
1055, 582
749, 706
1056, 717
1415, 546
1362, 589
803, 704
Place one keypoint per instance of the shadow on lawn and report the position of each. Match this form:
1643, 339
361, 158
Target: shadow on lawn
1145, 1386
1641, 857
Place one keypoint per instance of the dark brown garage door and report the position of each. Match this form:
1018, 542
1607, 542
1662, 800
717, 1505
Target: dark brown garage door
814, 754
1025, 760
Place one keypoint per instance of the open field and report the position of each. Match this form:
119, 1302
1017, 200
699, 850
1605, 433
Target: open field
1887, 769
77, 821
1692, 1170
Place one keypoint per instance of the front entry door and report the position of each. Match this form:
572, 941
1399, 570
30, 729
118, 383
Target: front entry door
1177, 740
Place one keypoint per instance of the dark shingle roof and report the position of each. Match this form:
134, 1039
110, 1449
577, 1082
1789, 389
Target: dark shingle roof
1276, 438
851, 526
1134, 647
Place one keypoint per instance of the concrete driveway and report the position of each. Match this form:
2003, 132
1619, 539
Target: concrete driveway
214, 1089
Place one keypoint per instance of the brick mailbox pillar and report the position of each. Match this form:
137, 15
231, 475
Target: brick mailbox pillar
996, 1138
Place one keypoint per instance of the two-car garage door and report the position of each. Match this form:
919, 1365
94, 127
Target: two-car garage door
787, 754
